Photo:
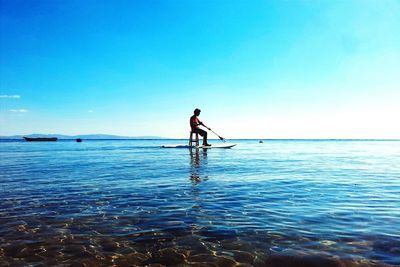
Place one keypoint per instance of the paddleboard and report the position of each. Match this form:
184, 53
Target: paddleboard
204, 147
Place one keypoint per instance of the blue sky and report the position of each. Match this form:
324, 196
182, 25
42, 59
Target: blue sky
257, 69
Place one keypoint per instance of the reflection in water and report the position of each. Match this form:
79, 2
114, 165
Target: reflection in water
197, 165
198, 162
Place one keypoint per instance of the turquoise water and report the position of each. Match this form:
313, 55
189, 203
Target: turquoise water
130, 202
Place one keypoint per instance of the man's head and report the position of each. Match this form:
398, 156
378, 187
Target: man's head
197, 112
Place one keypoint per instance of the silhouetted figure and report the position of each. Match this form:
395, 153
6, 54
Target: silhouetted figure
78, 140
195, 123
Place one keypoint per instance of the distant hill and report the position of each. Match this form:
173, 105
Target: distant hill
85, 136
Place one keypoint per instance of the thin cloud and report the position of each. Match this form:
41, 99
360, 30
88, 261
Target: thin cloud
19, 110
90, 111
10, 96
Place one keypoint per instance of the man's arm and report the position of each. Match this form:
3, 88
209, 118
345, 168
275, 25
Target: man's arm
201, 123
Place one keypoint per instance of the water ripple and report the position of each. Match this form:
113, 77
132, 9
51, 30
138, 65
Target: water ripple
281, 203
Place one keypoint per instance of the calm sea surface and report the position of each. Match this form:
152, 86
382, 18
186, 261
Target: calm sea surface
131, 202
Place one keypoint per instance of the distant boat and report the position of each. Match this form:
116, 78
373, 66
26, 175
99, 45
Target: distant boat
40, 139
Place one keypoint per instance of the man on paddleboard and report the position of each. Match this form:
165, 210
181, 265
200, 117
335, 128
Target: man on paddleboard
195, 123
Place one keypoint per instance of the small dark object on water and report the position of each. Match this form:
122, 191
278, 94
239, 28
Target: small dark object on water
261, 141
78, 140
40, 139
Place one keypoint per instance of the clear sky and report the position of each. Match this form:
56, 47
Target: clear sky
256, 69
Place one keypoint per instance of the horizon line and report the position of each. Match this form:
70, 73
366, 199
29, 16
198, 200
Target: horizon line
273, 139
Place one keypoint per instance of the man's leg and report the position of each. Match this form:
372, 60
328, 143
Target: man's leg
204, 135
205, 139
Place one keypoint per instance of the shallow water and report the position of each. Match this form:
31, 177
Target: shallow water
131, 202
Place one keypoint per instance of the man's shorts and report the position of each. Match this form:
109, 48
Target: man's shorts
200, 131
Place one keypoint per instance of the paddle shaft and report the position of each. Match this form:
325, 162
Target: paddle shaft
217, 134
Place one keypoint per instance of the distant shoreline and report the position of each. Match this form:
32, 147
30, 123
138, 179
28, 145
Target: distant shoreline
237, 139
82, 136
155, 137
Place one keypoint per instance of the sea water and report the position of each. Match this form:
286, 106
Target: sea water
131, 202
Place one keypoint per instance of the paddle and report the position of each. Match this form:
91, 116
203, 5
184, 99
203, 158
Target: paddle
221, 138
